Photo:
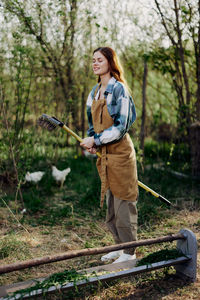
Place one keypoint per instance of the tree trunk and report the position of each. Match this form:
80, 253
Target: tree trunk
197, 54
144, 85
195, 148
83, 100
182, 59
181, 80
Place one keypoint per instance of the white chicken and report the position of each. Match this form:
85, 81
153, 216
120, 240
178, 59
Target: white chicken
60, 176
34, 177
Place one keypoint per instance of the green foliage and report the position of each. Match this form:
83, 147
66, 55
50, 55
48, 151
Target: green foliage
10, 245
174, 155
158, 256
56, 280
161, 59
33, 200
81, 192
55, 215
85, 180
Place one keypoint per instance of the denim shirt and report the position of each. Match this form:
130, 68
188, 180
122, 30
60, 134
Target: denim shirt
121, 108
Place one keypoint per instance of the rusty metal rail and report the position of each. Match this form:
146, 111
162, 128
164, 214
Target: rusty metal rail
185, 266
84, 252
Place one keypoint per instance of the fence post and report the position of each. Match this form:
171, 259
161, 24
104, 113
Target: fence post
188, 247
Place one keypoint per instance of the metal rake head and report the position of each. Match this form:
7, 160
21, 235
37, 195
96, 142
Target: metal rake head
48, 122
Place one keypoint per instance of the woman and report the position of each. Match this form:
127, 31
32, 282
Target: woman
111, 112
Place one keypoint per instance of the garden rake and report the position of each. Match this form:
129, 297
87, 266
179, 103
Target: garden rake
51, 123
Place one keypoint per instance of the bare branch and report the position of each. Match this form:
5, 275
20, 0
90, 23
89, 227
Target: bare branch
164, 23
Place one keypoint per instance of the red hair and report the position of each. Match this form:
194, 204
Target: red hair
115, 67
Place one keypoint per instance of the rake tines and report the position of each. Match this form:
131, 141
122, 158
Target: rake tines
48, 122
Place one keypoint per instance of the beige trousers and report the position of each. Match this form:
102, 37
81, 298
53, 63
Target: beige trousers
121, 220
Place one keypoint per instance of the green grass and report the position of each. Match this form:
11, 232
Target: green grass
56, 279
47, 204
75, 208
10, 246
80, 196
174, 156
162, 255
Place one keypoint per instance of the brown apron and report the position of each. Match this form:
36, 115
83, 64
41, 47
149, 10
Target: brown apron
117, 165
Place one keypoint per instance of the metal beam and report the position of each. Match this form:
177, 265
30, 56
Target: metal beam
84, 252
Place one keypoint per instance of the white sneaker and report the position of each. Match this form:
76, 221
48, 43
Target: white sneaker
111, 255
124, 257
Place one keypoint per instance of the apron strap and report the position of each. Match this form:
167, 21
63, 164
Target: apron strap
96, 90
104, 183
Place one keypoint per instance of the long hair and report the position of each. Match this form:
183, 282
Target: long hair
115, 67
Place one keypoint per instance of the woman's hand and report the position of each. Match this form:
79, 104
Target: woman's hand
88, 143
92, 150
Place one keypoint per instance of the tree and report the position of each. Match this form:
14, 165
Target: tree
144, 87
55, 54
181, 24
